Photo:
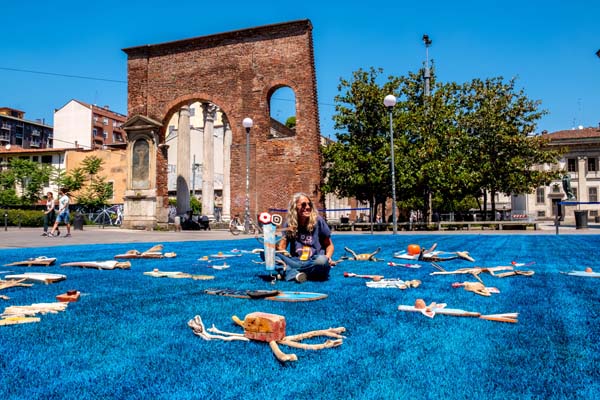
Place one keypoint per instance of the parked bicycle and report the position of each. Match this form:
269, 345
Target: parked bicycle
237, 225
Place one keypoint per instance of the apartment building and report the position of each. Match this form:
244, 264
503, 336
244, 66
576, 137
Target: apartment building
64, 159
581, 161
15, 130
78, 124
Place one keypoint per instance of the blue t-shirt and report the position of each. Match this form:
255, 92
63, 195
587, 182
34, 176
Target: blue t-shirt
311, 240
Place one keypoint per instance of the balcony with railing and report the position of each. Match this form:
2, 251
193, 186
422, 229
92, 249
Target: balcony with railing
35, 143
35, 132
5, 126
4, 137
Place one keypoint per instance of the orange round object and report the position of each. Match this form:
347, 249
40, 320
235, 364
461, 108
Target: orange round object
588, 269
414, 249
420, 304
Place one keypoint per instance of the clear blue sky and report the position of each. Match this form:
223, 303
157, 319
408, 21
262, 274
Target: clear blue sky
548, 45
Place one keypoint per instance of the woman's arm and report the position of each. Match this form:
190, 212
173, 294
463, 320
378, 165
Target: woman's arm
329, 248
282, 243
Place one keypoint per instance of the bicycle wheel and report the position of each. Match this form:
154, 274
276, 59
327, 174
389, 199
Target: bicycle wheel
233, 227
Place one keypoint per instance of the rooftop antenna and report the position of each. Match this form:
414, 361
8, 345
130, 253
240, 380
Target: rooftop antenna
427, 75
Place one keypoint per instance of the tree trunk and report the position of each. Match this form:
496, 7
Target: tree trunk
493, 194
485, 205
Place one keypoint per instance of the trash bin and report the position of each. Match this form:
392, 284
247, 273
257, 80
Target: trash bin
581, 219
78, 222
597, 218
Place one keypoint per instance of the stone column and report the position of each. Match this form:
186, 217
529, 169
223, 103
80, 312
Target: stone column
582, 190
183, 161
226, 169
208, 163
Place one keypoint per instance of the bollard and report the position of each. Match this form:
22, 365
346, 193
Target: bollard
5, 221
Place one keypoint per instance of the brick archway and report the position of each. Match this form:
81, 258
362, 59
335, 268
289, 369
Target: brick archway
238, 70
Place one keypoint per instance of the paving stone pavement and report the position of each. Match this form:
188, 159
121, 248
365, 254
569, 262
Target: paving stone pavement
14, 237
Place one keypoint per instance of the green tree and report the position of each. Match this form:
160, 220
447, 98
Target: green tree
357, 164
85, 185
291, 122
25, 177
438, 173
499, 121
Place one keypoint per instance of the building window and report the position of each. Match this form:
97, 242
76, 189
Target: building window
540, 195
46, 159
95, 131
593, 194
593, 213
95, 118
591, 164
111, 184
571, 165
105, 121
105, 134
35, 158
541, 214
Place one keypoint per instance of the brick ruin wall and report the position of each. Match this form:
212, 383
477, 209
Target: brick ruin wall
239, 71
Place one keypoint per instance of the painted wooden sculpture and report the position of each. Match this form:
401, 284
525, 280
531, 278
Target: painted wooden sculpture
270, 328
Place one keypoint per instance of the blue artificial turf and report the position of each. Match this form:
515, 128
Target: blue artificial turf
127, 337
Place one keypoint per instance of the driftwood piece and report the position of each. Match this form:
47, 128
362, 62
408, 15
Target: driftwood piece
331, 332
363, 256
14, 282
32, 310
477, 288
264, 326
511, 271
199, 330
18, 320
440, 308
281, 356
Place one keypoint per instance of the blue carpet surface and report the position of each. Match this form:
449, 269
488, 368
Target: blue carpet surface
127, 337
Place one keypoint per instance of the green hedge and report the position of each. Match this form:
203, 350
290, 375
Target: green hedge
32, 218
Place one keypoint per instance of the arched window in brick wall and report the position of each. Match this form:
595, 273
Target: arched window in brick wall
282, 109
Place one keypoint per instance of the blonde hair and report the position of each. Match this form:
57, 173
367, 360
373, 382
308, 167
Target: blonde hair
292, 215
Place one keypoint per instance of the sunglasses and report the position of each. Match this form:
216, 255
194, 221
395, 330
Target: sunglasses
305, 204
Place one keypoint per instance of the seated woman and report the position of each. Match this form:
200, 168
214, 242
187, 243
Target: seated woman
309, 239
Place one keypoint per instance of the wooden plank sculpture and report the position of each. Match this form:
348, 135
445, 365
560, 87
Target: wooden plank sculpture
38, 277
177, 275
477, 288
510, 271
153, 252
109, 264
41, 261
26, 314
440, 308
270, 328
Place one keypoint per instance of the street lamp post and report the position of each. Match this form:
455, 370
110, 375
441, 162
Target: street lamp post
247, 123
427, 41
390, 101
